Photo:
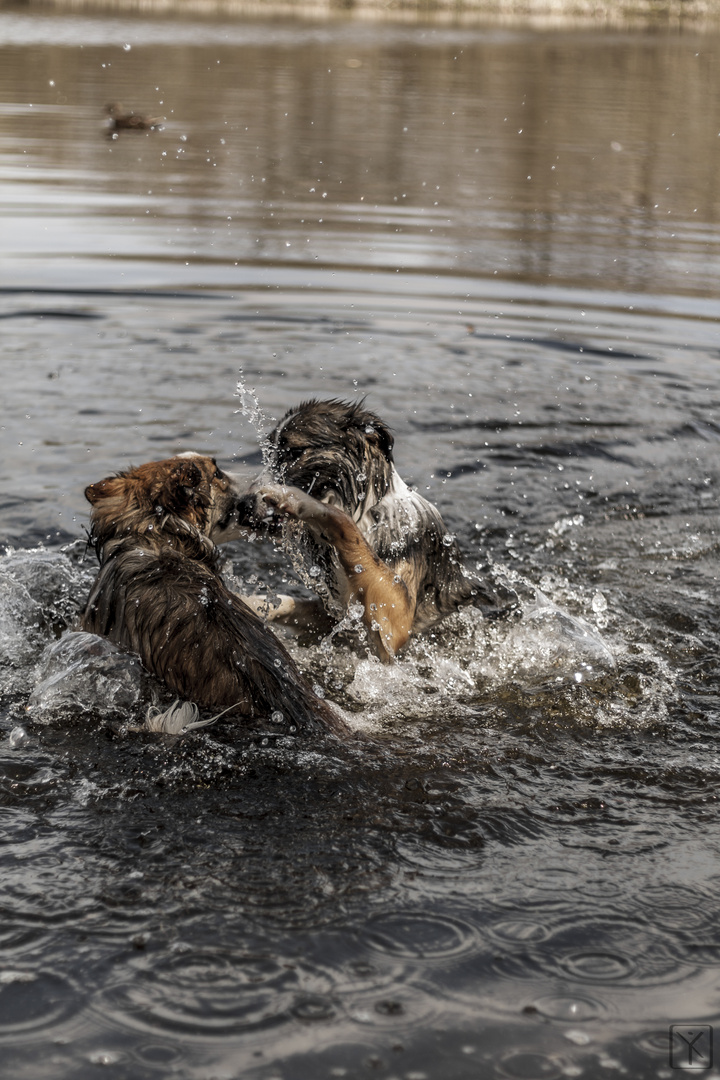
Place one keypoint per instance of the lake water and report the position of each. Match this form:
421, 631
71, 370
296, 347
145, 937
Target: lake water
509, 241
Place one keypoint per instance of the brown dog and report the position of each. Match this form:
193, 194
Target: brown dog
159, 593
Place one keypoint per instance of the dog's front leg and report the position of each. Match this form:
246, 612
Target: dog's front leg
388, 607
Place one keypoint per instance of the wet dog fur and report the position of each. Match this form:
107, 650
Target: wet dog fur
159, 593
378, 542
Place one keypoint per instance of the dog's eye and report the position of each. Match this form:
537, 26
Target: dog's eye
219, 474
289, 454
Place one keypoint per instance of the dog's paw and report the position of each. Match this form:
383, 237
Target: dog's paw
292, 502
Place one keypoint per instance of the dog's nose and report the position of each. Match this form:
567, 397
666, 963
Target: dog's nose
254, 513
247, 511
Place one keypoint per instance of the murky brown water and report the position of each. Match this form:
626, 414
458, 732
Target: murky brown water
510, 242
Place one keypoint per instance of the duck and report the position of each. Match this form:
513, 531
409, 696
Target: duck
122, 119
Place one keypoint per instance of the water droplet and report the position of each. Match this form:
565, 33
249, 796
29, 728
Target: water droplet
105, 1057
599, 603
17, 736
313, 1008
580, 1038
277, 717
127, 47
448, 540
567, 1008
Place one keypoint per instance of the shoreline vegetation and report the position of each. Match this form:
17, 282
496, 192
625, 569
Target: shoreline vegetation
534, 13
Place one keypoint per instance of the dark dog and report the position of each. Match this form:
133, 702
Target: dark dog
159, 593
377, 541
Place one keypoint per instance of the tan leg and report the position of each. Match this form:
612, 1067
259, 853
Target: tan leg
388, 607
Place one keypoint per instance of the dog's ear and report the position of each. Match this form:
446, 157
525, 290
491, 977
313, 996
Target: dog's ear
378, 434
180, 490
104, 489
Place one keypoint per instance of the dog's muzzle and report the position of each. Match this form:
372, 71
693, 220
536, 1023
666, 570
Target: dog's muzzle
233, 524
254, 513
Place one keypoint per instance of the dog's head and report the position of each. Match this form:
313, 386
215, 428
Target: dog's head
185, 492
339, 452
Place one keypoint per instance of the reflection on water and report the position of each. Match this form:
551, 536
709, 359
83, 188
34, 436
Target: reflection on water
509, 242
537, 157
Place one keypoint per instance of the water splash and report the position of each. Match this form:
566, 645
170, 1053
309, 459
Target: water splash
85, 675
548, 646
251, 410
550, 659
555, 653
41, 593
301, 548
351, 622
